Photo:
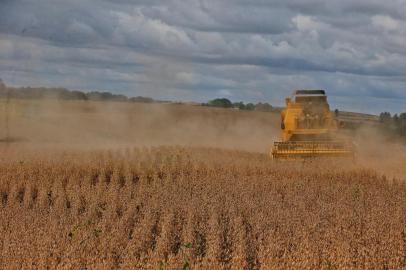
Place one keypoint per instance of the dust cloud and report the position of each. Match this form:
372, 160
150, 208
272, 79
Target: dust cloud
74, 124
375, 150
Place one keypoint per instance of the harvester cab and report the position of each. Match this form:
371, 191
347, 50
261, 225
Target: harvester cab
309, 128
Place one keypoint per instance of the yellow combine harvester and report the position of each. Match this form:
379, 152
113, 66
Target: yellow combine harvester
309, 129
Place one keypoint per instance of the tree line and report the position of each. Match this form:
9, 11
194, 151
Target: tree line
394, 124
61, 93
65, 94
226, 103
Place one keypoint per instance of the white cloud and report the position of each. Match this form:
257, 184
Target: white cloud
306, 23
387, 23
139, 30
224, 93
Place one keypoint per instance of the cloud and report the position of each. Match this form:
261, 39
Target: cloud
224, 93
247, 50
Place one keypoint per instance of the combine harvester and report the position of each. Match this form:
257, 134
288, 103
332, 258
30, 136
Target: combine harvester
309, 129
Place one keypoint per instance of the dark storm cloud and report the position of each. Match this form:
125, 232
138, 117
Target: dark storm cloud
202, 48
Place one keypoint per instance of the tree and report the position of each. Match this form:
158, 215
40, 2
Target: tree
396, 119
141, 99
263, 107
220, 102
250, 107
2, 85
78, 95
385, 117
402, 124
239, 105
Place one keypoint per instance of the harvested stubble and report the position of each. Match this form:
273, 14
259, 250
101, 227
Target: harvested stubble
176, 207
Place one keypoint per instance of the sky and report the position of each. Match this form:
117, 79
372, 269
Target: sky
196, 50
